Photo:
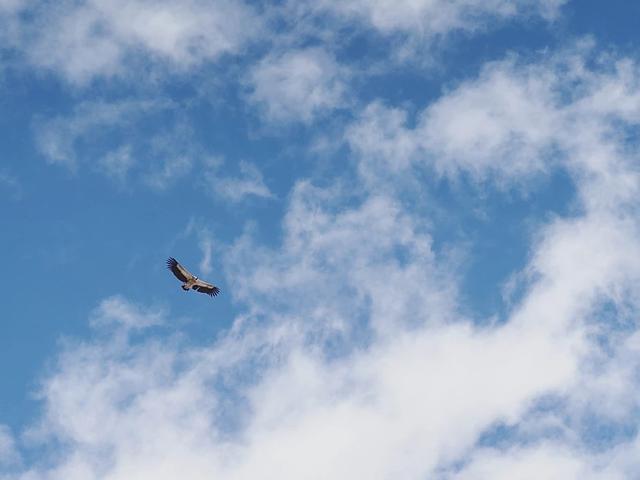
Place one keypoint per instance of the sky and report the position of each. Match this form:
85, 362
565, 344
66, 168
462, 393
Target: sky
422, 215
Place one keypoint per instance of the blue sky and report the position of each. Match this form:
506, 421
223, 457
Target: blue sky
422, 216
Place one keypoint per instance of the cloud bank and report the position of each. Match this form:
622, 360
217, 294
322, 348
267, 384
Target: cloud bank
83, 41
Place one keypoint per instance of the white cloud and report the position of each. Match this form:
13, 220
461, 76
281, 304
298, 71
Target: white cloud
106, 38
206, 246
206, 242
427, 18
235, 189
58, 138
173, 154
496, 126
11, 24
549, 461
118, 311
10, 6
512, 122
172, 169
99, 133
609, 391
358, 246
116, 164
298, 85
8, 452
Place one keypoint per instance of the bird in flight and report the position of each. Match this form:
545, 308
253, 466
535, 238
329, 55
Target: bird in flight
190, 281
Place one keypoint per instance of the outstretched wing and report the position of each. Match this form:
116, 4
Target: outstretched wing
205, 287
178, 270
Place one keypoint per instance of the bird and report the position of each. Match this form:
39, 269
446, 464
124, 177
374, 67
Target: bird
191, 282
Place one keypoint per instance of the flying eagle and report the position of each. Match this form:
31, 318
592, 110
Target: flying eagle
191, 282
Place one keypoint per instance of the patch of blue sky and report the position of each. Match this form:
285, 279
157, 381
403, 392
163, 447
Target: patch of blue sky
612, 28
501, 238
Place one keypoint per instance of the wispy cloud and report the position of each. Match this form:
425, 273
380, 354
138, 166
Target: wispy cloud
298, 85
99, 135
11, 5
8, 453
248, 183
10, 184
426, 18
106, 38
206, 246
117, 163
59, 139
538, 461
206, 243
128, 40
511, 122
171, 169
173, 154
118, 311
